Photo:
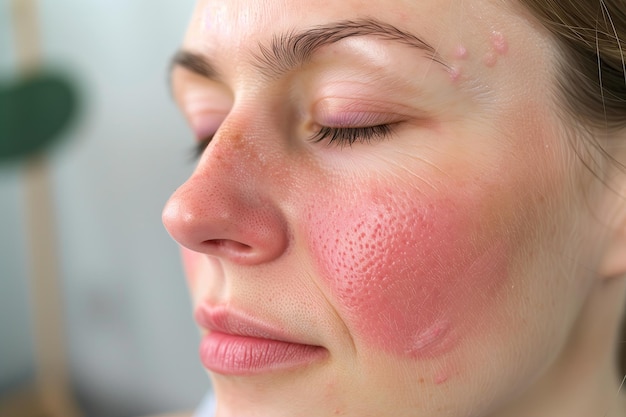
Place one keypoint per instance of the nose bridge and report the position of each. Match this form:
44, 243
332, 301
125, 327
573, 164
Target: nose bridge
230, 206
237, 153
246, 158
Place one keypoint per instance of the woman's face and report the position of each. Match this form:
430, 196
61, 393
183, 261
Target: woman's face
383, 222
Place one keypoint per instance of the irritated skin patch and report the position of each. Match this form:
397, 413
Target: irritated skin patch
410, 273
461, 52
499, 43
498, 47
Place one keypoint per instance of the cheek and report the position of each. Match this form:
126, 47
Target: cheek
410, 273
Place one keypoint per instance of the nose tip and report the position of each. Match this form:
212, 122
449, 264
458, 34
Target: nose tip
220, 222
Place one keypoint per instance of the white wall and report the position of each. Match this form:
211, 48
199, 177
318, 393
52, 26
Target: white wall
133, 345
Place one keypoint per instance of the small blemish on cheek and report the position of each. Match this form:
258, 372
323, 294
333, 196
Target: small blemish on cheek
460, 52
441, 378
499, 43
455, 73
499, 47
490, 59
429, 337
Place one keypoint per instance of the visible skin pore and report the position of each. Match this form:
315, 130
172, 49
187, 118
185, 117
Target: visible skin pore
440, 255
449, 267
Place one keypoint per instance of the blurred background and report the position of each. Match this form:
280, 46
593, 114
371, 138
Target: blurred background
124, 343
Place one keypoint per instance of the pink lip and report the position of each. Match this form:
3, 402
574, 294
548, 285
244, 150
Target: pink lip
240, 345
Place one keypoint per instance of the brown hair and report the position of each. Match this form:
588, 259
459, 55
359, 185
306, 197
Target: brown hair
591, 35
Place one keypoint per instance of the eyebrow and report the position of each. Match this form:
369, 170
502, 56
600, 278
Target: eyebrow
289, 51
195, 63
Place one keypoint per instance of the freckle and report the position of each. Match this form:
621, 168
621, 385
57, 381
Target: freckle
500, 45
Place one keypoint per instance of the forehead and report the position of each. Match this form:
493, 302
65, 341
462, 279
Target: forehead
493, 43
232, 23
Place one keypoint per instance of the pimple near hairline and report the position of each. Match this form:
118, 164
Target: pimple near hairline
497, 47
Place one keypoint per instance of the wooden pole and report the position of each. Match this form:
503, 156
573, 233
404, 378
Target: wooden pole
52, 382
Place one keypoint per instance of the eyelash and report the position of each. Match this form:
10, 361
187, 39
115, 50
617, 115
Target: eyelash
342, 136
339, 136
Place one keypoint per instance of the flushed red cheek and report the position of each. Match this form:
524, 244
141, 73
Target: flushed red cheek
410, 274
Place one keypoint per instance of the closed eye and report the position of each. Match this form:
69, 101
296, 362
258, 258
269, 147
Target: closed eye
339, 136
347, 136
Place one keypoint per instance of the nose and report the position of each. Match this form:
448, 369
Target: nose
228, 208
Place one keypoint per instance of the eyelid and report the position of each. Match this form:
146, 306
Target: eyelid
205, 124
357, 119
205, 111
202, 101
204, 127
198, 103
352, 112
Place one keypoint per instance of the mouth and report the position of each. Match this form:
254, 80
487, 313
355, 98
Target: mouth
236, 344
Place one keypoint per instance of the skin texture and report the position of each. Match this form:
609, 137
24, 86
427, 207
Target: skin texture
439, 254
444, 267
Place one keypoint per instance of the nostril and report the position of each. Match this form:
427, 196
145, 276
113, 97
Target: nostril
229, 246
232, 249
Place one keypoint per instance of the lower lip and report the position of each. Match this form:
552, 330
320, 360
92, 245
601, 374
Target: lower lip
241, 355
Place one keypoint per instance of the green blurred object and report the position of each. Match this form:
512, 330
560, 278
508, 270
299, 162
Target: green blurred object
33, 111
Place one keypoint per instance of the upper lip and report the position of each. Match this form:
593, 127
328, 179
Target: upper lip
224, 320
